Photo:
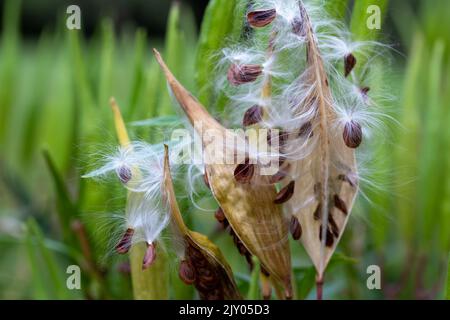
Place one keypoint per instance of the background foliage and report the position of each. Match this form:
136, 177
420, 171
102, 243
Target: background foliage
54, 114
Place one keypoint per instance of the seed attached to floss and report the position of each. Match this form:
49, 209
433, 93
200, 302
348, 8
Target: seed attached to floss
124, 174
244, 172
261, 18
124, 244
149, 257
253, 116
285, 194
352, 134
186, 272
295, 228
349, 63
241, 74
306, 130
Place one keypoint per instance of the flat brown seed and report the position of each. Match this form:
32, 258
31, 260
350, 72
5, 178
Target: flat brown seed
365, 91
352, 134
334, 227
220, 215
150, 256
295, 228
340, 204
318, 212
124, 244
285, 194
347, 179
306, 130
349, 63
244, 172
124, 174
261, 18
253, 116
241, 74
329, 241
298, 27
186, 272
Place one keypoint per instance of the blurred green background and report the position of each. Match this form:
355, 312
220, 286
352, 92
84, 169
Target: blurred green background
54, 90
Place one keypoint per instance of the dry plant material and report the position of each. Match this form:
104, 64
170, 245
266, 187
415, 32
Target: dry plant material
203, 264
258, 223
261, 18
324, 175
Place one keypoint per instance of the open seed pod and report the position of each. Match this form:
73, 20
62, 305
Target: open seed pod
248, 207
326, 186
204, 265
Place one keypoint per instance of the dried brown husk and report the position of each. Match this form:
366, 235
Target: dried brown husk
249, 208
324, 174
213, 276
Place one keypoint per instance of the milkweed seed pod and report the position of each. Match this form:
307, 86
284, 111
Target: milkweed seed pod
309, 91
248, 207
203, 264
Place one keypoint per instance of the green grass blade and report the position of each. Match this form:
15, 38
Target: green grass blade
254, 292
216, 27
140, 51
447, 291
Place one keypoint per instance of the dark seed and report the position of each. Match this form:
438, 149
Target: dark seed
124, 244
347, 179
329, 240
124, 174
186, 272
295, 228
352, 134
350, 63
220, 215
244, 172
306, 130
253, 116
340, 204
298, 28
318, 212
240, 74
149, 257
285, 194
365, 91
261, 18
317, 189
334, 227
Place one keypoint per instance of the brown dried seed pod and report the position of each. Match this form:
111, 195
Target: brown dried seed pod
261, 18
124, 174
241, 74
186, 272
340, 204
285, 194
150, 256
349, 63
244, 172
124, 244
253, 116
352, 134
295, 228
